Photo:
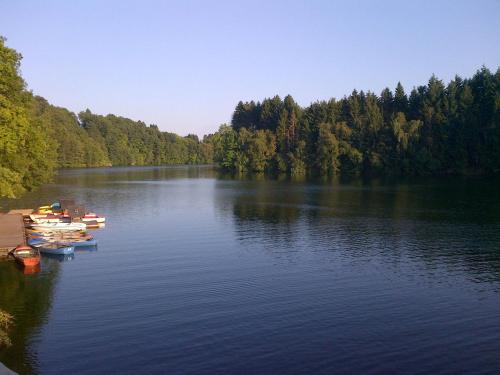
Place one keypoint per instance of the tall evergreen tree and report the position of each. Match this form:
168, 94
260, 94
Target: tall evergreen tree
438, 129
400, 99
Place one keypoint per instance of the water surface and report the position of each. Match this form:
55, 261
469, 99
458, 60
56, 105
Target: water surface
195, 273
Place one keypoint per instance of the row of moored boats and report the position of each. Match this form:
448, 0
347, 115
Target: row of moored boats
57, 229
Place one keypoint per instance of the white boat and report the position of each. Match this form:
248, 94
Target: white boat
95, 218
59, 226
39, 219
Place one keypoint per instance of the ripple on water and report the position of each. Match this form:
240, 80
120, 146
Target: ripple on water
203, 275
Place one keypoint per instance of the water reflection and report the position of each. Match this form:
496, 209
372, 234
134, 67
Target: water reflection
29, 270
452, 225
97, 185
85, 249
59, 257
28, 298
334, 273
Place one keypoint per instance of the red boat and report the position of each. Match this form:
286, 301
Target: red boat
31, 270
26, 256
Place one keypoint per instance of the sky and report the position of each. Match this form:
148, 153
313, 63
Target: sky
184, 65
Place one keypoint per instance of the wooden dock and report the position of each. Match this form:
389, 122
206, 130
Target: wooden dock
22, 211
12, 232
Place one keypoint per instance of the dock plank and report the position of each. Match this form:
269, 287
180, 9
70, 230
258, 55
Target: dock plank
11, 232
22, 211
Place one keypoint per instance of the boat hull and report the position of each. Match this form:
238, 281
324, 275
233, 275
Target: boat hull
26, 256
87, 243
65, 242
97, 219
59, 226
60, 250
41, 219
36, 241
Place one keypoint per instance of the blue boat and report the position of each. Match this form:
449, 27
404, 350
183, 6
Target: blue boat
36, 241
55, 248
87, 243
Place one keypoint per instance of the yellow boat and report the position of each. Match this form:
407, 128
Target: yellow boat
54, 208
44, 210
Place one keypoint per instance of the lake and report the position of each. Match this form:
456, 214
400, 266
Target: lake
198, 273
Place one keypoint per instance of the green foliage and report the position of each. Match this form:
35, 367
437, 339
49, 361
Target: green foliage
10, 183
327, 151
6, 321
128, 142
72, 145
225, 147
37, 137
438, 129
26, 159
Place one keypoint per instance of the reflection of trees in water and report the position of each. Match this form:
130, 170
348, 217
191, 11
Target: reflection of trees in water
28, 299
450, 225
92, 177
84, 184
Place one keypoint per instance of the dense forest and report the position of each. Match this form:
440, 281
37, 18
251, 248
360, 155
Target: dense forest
436, 129
36, 137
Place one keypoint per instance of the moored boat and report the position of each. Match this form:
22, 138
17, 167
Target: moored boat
36, 241
50, 218
26, 256
56, 248
53, 233
95, 225
59, 226
82, 243
90, 216
61, 236
75, 242
50, 209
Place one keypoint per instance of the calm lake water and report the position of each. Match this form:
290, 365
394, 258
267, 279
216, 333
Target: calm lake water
195, 273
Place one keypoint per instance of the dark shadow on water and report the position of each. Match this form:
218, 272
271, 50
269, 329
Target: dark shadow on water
59, 257
437, 222
272, 274
28, 298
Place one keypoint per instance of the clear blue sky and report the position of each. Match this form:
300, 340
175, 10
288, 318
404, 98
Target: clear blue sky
184, 65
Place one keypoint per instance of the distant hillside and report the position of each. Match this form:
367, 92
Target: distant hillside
36, 137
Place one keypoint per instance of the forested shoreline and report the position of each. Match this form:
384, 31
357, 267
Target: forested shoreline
436, 129
37, 138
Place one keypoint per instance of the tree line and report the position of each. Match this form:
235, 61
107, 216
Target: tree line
37, 138
437, 129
